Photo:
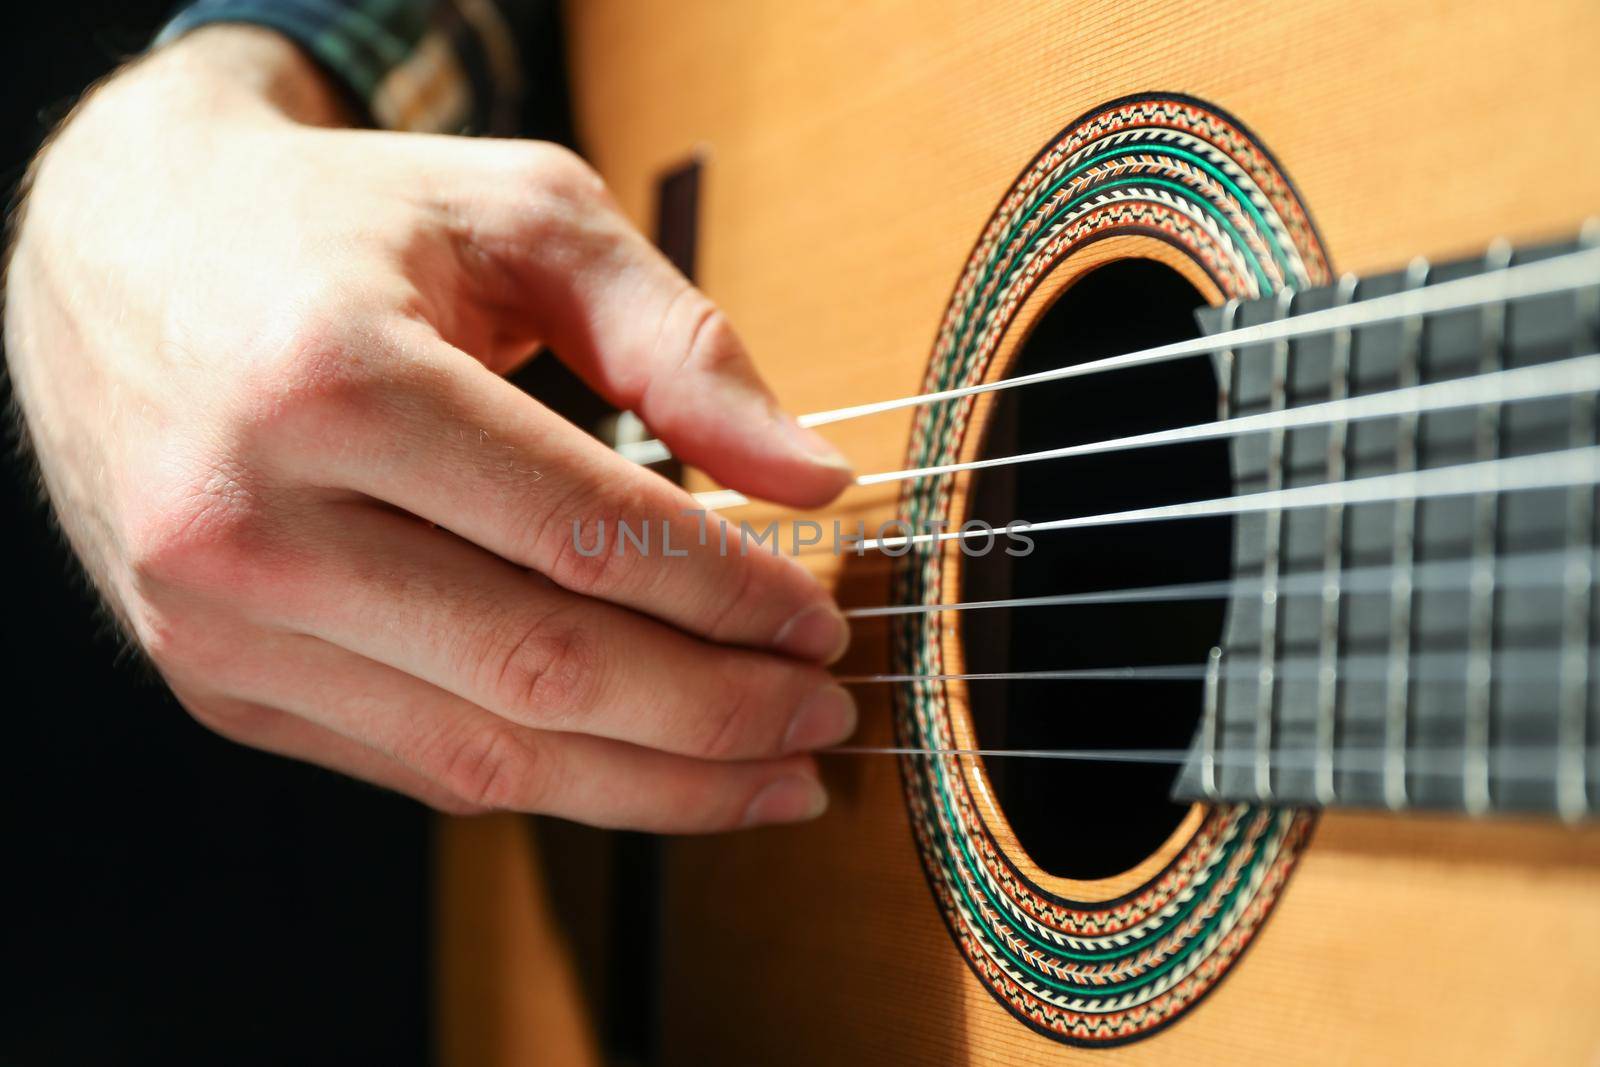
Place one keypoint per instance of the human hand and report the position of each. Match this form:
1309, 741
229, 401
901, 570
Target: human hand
259, 358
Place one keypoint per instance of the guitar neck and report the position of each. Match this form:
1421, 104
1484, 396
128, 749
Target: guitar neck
1402, 637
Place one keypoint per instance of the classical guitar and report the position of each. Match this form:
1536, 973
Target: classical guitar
1279, 328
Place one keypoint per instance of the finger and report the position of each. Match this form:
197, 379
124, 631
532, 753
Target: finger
614, 309
423, 601
278, 732
446, 440
486, 762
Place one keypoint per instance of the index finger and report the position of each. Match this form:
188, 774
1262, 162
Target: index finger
447, 440
576, 274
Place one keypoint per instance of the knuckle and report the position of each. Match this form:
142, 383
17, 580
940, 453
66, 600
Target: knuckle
580, 571
713, 347
560, 172
566, 214
694, 342
172, 643
319, 371
489, 768
742, 601
205, 531
584, 575
727, 728
160, 637
236, 720
313, 371
327, 387
586, 550
195, 650
550, 674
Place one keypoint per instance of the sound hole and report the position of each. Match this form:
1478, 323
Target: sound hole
1083, 818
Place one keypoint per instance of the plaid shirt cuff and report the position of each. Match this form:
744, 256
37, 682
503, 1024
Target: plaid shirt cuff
438, 66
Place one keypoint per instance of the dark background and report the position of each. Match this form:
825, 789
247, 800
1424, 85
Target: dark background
166, 896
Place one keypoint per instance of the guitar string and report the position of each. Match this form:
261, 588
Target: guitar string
1521, 762
1575, 466
1567, 377
1547, 277
1523, 667
1544, 470
1516, 570
1466, 393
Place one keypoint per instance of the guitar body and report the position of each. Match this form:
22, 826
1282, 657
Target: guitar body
852, 156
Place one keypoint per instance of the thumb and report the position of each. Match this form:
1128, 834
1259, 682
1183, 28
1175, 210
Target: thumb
626, 321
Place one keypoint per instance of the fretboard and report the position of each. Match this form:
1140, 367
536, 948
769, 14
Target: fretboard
1440, 650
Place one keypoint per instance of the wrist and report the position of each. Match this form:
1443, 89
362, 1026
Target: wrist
164, 116
235, 68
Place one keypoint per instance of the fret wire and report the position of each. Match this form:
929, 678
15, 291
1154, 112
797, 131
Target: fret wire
1209, 726
1572, 769
1211, 713
1225, 363
1397, 695
1327, 722
1482, 594
1572, 729
1272, 545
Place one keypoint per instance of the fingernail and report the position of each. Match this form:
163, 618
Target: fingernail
819, 632
811, 444
826, 717
788, 799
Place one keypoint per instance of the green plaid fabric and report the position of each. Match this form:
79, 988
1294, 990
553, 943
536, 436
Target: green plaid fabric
442, 66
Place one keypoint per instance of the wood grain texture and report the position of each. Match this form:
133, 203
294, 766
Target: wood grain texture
853, 152
506, 983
